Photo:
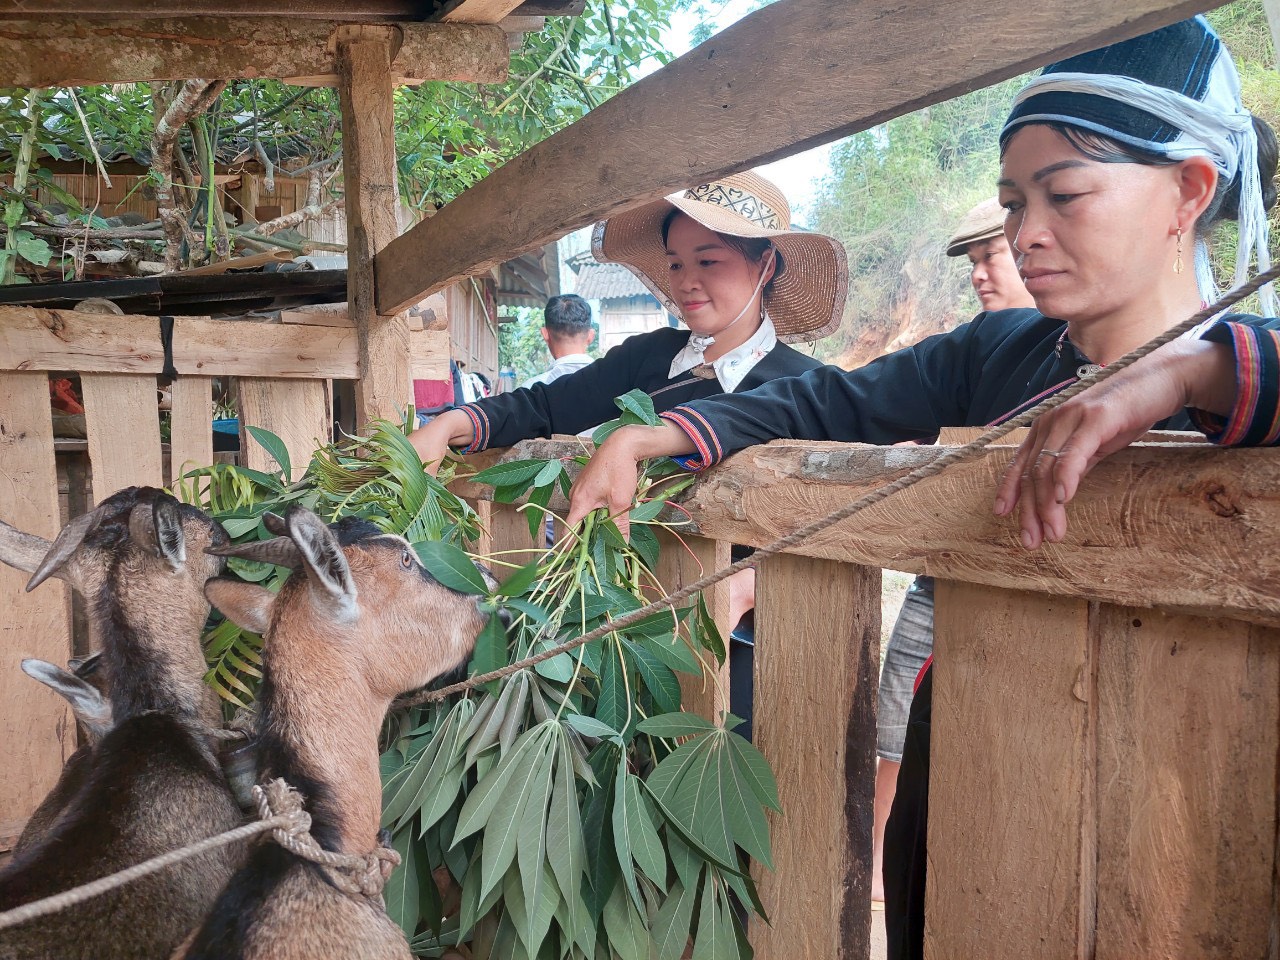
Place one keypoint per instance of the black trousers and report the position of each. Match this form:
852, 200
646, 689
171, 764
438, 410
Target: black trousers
905, 835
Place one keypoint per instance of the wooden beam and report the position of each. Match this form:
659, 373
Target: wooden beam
32, 338
791, 76
369, 178
817, 660
477, 11
368, 11
74, 52
1196, 540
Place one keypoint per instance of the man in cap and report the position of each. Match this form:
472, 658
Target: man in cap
992, 271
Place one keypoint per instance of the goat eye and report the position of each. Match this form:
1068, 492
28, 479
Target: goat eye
406, 560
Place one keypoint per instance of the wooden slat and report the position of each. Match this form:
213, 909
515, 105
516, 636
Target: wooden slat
369, 177
1187, 745
791, 76
1119, 547
817, 659
367, 11
296, 411
123, 427
62, 51
190, 430
680, 564
478, 11
36, 730
32, 338
1011, 777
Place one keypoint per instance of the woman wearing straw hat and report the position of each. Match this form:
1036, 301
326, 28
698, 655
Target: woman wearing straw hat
723, 258
1115, 166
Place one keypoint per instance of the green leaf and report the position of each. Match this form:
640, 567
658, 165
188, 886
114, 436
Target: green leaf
547, 475
480, 802
502, 829
625, 928
491, 648
743, 811
674, 652
657, 676
590, 726
237, 527
699, 806
755, 771
671, 926
274, 446
401, 891
646, 511
451, 567
640, 405
537, 880
645, 542
519, 582
715, 940
646, 848
538, 497
708, 632
613, 706
565, 843
510, 474
671, 725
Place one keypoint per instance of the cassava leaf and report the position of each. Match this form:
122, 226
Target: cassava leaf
675, 917
275, 448
510, 474
675, 725
451, 567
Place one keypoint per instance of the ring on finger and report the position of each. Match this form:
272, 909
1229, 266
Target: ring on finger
1049, 453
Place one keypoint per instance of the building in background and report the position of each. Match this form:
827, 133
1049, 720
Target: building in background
624, 306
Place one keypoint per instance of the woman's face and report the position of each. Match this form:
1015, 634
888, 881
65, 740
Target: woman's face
710, 281
1091, 239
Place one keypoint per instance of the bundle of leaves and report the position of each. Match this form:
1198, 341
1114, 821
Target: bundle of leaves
570, 809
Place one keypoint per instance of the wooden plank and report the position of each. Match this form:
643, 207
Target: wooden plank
337, 315
817, 661
683, 560
32, 338
58, 51
367, 11
369, 178
1011, 777
36, 729
1198, 539
478, 11
123, 426
190, 425
296, 411
734, 102
1187, 744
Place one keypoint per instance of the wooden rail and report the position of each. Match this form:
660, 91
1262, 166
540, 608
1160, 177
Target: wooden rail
1106, 711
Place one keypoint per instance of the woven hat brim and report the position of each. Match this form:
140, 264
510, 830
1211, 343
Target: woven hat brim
805, 303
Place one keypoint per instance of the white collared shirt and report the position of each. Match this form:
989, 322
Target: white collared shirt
569, 363
732, 368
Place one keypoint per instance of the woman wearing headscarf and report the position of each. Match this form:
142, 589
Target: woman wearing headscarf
1115, 166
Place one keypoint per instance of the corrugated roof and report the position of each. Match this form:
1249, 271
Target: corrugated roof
607, 281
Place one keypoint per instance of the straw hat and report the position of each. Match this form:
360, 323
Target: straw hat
806, 302
983, 222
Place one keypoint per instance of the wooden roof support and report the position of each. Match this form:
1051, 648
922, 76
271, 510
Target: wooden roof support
369, 178
794, 75
349, 11
71, 52
478, 11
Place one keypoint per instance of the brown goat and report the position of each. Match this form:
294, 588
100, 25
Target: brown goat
359, 622
140, 562
93, 714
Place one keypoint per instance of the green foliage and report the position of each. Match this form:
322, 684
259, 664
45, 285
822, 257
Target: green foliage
521, 347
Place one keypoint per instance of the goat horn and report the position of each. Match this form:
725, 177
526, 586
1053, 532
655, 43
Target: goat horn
22, 551
280, 550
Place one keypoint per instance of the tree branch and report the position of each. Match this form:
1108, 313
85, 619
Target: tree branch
192, 99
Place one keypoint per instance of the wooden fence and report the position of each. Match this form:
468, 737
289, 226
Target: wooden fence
284, 383
1106, 710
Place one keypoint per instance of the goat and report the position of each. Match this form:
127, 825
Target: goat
92, 712
359, 622
140, 562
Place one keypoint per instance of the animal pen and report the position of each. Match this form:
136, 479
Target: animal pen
1107, 717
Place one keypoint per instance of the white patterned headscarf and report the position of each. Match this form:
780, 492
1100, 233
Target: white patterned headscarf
1175, 93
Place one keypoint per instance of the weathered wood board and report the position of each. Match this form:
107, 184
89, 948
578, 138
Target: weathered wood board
681, 562
32, 338
36, 729
190, 436
296, 411
122, 421
817, 658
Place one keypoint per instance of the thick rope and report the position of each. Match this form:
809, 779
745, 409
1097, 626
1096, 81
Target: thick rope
952, 455
280, 807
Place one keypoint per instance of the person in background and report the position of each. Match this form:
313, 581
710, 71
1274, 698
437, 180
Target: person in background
568, 334
994, 276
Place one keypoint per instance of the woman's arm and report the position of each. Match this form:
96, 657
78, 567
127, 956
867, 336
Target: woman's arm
609, 478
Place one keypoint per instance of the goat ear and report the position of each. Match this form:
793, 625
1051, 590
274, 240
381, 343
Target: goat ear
322, 557
22, 551
171, 540
278, 550
247, 605
87, 702
64, 547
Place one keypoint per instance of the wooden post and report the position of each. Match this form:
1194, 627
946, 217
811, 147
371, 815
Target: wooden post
247, 198
122, 421
1011, 789
296, 411
190, 434
817, 662
36, 730
683, 563
369, 178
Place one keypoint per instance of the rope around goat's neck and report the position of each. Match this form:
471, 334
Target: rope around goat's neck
951, 456
280, 807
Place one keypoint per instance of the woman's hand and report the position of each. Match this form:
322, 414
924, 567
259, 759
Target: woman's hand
610, 476
1067, 442
453, 428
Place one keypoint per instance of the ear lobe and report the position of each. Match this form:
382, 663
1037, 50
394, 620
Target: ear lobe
322, 558
170, 540
247, 605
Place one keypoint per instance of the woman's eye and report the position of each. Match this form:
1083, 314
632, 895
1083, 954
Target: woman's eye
709, 263
1063, 197
674, 266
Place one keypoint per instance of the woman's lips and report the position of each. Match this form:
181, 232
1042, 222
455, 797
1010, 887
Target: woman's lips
695, 305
